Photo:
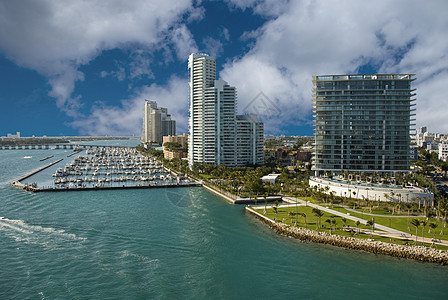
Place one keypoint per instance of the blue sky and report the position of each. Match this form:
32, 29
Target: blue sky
85, 67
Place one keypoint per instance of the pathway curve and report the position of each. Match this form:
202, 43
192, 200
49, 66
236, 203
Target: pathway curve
347, 216
375, 215
388, 232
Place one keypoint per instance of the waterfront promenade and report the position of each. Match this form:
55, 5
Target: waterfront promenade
380, 230
419, 253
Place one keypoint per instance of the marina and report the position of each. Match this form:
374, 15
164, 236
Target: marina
107, 168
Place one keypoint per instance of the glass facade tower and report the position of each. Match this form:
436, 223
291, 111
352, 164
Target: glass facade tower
362, 122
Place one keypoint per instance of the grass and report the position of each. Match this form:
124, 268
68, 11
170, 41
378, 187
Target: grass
401, 223
311, 223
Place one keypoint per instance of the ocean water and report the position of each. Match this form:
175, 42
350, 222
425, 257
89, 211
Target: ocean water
180, 243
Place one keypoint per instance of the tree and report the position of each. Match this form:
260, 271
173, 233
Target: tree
318, 213
344, 220
444, 167
304, 216
333, 222
357, 223
371, 224
423, 223
416, 223
291, 214
329, 223
275, 208
265, 203
297, 209
433, 226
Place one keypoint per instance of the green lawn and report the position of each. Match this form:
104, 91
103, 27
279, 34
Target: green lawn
402, 223
311, 223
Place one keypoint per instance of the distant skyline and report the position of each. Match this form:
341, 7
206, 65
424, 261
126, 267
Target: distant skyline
85, 68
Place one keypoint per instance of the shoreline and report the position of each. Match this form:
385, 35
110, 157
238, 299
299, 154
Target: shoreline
418, 253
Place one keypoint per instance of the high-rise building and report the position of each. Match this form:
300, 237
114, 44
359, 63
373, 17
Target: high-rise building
212, 121
250, 140
156, 123
363, 122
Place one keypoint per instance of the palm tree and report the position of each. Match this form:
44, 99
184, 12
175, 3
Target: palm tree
433, 226
297, 208
304, 216
318, 214
333, 222
291, 214
329, 223
275, 208
344, 220
370, 223
423, 223
416, 223
265, 203
357, 223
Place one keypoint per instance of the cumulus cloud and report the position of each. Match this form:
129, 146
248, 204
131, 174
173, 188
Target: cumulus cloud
55, 38
336, 37
126, 119
183, 41
213, 46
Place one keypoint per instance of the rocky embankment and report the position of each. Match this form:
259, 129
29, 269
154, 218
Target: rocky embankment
419, 253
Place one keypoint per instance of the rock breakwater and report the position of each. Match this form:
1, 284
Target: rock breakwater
419, 253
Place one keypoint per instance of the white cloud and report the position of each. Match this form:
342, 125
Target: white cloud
56, 37
337, 37
127, 118
183, 41
120, 73
140, 65
264, 7
212, 46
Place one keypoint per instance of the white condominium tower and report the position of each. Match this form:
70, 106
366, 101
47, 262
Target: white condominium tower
157, 123
213, 121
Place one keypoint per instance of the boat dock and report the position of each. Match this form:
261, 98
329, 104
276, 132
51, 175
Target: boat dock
124, 187
106, 168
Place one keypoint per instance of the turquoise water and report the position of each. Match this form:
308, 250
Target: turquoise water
175, 243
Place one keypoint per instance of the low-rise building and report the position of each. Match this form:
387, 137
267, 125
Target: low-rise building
272, 178
443, 151
175, 146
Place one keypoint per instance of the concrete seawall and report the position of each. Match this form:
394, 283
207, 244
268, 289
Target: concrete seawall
418, 253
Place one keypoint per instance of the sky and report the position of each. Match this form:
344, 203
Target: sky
86, 67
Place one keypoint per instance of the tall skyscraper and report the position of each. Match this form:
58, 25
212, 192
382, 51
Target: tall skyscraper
363, 122
157, 123
212, 121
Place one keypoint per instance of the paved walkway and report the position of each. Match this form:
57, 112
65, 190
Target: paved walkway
376, 215
386, 231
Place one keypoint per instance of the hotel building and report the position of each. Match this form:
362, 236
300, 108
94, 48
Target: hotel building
156, 123
362, 123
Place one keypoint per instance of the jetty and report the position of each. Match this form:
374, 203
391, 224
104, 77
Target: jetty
48, 157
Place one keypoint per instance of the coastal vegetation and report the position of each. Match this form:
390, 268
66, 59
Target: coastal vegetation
310, 218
